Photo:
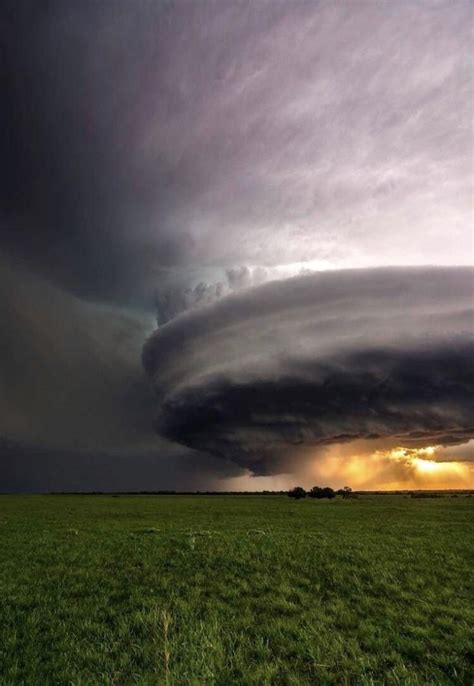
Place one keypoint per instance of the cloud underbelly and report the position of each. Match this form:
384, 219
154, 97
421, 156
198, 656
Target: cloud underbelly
320, 359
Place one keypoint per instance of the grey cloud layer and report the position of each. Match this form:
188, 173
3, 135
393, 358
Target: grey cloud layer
75, 407
76, 411
221, 134
326, 131
320, 359
69, 369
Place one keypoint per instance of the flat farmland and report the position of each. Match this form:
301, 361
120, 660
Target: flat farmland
236, 590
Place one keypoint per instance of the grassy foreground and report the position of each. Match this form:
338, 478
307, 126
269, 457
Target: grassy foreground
235, 590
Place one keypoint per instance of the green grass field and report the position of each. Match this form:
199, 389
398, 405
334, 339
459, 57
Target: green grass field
235, 590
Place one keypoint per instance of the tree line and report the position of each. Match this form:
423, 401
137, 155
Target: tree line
319, 492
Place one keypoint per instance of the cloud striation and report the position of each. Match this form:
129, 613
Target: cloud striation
316, 360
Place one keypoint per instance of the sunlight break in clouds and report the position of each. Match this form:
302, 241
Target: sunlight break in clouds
366, 467
410, 468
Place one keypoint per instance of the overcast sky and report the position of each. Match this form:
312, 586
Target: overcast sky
162, 157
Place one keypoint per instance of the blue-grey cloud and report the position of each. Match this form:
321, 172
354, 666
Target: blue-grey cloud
320, 359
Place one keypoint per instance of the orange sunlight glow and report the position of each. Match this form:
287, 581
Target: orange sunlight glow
419, 458
371, 465
396, 468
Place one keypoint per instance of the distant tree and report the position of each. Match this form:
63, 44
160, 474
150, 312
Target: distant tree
318, 492
298, 492
346, 492
315, 492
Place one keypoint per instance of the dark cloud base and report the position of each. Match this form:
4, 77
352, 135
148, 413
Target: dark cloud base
32, 468
416, 397
404, 372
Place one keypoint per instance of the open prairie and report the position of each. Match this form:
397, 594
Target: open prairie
235, 590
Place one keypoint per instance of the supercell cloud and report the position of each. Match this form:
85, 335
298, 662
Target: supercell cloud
191, 162
321, 359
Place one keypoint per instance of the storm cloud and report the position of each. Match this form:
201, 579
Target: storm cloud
188, 136
186, 164
75, 408
320, 359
